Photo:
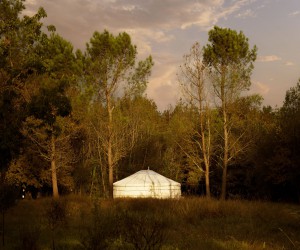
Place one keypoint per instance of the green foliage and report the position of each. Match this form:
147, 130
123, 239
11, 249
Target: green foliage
109, 58
282, 150
59, 60
58, 63
10, 121
227, 47
178, 157
229, 55
27, 169
49, 104
142, 136
289, 116
19, 38
137, 82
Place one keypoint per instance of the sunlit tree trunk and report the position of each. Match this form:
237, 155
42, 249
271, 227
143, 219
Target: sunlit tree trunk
53, 169
206, 143
109, 145
225, 134
204, 115
225, 157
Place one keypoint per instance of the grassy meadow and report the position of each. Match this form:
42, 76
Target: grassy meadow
188, 223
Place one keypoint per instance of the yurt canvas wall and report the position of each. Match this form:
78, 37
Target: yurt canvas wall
146, 184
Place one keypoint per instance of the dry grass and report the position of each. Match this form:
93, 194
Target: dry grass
187, 223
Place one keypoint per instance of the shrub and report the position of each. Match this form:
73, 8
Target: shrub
101, 230
56, 216
144, 230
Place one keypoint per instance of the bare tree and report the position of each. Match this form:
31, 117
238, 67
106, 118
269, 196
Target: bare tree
193, 80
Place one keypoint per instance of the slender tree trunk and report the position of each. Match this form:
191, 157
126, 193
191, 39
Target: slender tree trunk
110, 169
206, 155
225, 165
205, 138
53, 169
109, 146
225, 155
102, 170
207, 185
225, 134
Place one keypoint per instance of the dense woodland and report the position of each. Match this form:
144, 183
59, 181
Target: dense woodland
75, 121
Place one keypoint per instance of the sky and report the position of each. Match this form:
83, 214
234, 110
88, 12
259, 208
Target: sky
167, 29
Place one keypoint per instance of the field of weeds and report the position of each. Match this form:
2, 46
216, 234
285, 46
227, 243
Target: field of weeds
187, 223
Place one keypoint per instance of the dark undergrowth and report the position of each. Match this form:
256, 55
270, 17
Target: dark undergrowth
188, 223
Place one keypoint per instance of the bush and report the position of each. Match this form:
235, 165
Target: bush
56, 216
144, 230
101, 230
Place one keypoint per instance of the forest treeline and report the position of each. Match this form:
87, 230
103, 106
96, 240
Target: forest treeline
76, 121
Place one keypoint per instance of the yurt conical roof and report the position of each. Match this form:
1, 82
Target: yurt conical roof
147, 183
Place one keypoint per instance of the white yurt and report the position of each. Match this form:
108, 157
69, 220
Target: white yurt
146, 184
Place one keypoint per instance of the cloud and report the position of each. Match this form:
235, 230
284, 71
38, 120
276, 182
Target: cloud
132, 14
31, 2
217, 10
269, 58
163, 87
245, 14
30, 7
274, 58
260, 88
295, 13
148, 22
288, 63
